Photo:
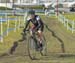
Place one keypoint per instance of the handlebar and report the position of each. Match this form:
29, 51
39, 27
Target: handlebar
24, 33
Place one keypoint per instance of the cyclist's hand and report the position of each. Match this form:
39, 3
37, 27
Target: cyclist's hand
24, 30
23, 35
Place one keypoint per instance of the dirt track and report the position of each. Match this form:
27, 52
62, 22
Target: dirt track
58, 41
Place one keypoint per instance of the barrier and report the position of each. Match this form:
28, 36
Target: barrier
49, 12
1, 37
5, 18
67, 23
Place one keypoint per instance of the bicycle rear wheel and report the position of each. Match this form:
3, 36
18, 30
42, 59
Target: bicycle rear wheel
31, 48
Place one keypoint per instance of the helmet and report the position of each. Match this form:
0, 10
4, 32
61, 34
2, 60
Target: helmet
32, 12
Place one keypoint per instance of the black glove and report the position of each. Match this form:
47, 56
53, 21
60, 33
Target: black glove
24, 35
24, 30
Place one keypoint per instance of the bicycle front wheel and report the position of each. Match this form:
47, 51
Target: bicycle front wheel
31, 48
44, 51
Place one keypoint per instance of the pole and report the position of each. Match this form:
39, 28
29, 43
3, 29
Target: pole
57, 8
67, 25
7, 22
19, 22
7, 26
1, 31
15, 24
6, 11
13, 7
72, 26
19, 18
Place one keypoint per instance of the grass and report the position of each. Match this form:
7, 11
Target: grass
8, 40
33, 7
11, 23
53, 33
4, 8
70, 16
62, 33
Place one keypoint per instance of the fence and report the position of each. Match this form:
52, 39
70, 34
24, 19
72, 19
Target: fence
49, 12
69, 24
5, 23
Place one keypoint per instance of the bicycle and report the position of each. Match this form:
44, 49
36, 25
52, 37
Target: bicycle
33, 45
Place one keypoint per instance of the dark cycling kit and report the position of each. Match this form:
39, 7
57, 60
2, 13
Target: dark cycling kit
37, 22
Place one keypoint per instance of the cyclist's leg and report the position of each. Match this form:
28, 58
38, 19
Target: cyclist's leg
33, 36
31, 30
40, 37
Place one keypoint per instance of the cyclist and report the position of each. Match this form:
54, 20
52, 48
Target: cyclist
36, 26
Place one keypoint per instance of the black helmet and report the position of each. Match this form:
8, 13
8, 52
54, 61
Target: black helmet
31, 12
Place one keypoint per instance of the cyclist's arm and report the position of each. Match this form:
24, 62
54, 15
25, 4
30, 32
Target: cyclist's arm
39, 22
27, 23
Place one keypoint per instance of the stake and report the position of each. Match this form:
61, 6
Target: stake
72, 26
1, 31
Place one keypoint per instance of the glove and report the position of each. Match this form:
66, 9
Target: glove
24, 30
23, 35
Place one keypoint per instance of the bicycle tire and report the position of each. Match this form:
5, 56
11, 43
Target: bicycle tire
44, 51
31, 48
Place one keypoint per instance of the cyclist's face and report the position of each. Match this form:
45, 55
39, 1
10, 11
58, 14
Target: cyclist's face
32, 16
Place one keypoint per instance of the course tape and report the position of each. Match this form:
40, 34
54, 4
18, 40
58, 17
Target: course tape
5, 19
